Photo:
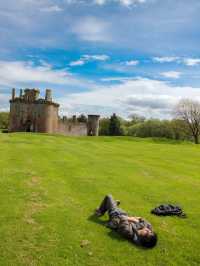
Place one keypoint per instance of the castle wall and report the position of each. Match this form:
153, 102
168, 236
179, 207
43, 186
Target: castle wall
72, 128
46, 118
28, 113
38, 117
14, 120
20, 113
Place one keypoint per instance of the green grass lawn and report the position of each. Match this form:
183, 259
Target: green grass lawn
50, 185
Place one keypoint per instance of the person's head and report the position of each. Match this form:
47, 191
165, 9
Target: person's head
147, 238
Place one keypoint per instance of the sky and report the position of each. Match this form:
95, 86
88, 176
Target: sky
102, 56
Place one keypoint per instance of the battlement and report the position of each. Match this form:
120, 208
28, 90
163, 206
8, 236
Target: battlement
32, 96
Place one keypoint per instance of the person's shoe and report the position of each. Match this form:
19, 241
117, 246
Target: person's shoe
98, 213
118, 202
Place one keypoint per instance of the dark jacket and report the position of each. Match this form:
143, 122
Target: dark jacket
119, 221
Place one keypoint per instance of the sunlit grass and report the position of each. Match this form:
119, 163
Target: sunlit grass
50, 185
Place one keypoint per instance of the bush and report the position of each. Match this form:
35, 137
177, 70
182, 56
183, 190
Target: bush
82, 118
104, 127
4, 120
139, 127
113, 126
159, 128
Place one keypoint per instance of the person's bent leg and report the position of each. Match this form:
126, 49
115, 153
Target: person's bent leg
107, 204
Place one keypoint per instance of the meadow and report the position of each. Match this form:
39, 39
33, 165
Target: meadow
50, 186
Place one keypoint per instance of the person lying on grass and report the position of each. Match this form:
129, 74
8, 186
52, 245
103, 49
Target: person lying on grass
135, 229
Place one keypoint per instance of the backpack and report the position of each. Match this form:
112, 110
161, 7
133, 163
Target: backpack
168, 209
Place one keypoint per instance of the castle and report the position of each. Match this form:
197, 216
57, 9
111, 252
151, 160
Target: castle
29, 113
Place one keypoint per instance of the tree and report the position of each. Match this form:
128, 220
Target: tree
152, 128
180, 129
189, 111
82, 118
115, 126
104, 127
136, 119
4, 120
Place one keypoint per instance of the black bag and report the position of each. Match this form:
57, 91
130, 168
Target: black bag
168, 209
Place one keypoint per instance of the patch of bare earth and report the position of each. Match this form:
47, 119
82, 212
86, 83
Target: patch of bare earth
34, 205
35, 181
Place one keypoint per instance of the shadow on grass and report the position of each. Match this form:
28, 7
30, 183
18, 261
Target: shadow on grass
95, 219
113, 234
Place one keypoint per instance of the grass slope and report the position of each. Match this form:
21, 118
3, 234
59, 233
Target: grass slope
49, 186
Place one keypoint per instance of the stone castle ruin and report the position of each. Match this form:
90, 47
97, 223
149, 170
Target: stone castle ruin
29, 113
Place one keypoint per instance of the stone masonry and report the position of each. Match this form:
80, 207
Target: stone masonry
29, 113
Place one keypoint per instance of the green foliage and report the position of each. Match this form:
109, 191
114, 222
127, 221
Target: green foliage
180, 130
138, 126
104, 127
153, 128
115, 126
50, 185
172, 129
4, 120
82, 118
136, 119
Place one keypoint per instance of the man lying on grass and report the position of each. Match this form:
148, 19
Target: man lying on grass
134, 228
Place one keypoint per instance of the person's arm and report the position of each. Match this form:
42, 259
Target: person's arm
134, 219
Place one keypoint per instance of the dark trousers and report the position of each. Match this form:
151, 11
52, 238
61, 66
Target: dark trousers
107, 204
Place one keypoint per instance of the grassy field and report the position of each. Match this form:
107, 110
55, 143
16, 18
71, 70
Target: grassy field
50, 185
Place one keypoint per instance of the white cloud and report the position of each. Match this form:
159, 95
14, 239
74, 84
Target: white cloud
131, 2
151, 98
54, 8
87, 58
191, 61
126, 3
100, 2
101, 57
13, 73
123, 66
117, 79
161, 102
79, 62
171, 74
132, 63
92, 29
166, 59
185, 61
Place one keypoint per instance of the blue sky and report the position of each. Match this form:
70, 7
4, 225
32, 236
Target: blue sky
102, 56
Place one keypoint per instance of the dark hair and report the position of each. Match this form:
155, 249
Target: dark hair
148, 241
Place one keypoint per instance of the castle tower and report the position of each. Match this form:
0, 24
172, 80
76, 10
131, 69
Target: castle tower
28, 113
13, 94
74, 119
21, 94
93, 125
48, 96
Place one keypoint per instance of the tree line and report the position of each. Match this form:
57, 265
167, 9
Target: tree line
138, 126
184, 126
